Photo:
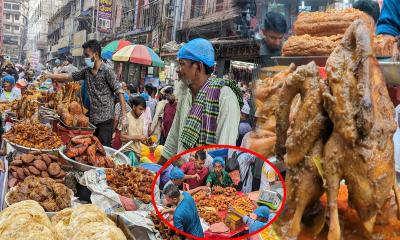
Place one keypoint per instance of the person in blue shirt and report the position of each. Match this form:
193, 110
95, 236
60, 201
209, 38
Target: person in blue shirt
186, 217
389, 23
262, 217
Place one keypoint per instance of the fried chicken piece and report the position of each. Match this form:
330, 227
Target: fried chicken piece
303, 145
360, 150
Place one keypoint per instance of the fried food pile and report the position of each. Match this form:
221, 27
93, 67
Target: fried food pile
131, 182
86, 222
318, 33
383, 45
28, 105
165, 231
244, 204
4, 106
52, 196
35, 164
33, 135
209, 215
88, 150
69, 93
26, 220
266, 94
73, 116
330, 22
343, 131
306, 45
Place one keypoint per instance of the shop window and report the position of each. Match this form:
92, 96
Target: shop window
16, 17
16, 28
15, 7
197, 8
7, 5
8, 16
8, 27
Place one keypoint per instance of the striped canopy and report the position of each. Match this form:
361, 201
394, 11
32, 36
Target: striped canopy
139, 54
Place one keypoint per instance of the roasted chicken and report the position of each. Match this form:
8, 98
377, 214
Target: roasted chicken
304, 144
360, 149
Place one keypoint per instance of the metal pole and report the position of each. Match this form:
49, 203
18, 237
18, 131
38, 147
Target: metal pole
97, 20
93, 15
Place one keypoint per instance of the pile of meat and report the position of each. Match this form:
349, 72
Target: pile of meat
88, 150
342, 131
209, 215
33, 135
318, 33
73, 115
35, 164
266, 93
384, 45
165, 231
52, 196
69, 93
131, 182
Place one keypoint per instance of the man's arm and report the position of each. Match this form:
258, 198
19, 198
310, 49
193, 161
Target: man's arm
60, 77
228, 118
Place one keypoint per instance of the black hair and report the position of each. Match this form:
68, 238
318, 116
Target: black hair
369, 7
137, 101
171, 191
70, 60
169, 90
275, 22
133, 89
93, 45
201, 154
208, 70
149, 88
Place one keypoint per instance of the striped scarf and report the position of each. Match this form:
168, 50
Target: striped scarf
201, 124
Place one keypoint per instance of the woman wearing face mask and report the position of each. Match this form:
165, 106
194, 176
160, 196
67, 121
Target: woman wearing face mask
9, 92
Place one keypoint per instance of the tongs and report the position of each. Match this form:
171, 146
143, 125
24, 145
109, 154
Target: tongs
121, 149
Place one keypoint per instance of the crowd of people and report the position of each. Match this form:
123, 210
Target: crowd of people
202, 171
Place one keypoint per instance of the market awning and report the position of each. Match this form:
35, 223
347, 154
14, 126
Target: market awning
63, 50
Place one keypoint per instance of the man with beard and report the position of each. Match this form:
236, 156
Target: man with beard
208, 110
274, 30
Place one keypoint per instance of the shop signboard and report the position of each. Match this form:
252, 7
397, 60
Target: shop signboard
105, 15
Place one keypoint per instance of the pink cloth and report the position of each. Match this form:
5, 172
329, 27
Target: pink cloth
189, 168
168, 118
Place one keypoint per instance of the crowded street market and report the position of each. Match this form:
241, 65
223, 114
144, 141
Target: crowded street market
259, 120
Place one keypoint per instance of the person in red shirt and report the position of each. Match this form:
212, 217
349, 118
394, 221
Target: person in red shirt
195, 171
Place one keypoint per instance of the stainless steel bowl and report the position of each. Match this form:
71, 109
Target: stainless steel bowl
120, 158
23, 149
391, 72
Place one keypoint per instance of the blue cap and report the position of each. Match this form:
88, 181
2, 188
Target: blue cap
176, 173
145, 96
219, 160
199, 50
9, 78
57, 61
262, 211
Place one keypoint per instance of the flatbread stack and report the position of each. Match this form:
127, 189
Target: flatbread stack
26, 220
86, 222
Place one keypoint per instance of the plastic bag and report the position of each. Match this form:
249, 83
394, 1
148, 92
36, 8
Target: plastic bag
396, 141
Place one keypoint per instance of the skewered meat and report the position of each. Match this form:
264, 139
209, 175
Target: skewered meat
304, 144
360, 150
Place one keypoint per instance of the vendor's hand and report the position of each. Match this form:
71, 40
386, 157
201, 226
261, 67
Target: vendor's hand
196, 176
142, 138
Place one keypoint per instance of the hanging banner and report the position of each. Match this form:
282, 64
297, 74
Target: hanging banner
105, 15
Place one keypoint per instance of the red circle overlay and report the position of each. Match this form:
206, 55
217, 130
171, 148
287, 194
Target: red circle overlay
216, 146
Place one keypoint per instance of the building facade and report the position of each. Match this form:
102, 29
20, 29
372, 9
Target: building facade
15, 23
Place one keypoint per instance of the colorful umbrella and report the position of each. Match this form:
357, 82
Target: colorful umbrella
112, 47
139, 54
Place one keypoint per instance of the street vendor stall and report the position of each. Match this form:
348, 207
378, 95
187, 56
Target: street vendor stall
52, 156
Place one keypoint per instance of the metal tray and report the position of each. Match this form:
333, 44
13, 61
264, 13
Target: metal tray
300, 60
391, 72
120, 159
4, 183
23, 149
